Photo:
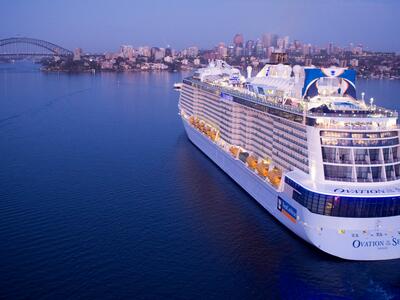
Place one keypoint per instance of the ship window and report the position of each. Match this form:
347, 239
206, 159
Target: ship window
363, 174
260, 90
340, 173
395, 152
357, 135
388, 134
351, 207
321, 205
328, 154
344, 155
376, 173
386, 154
372, 135
374, 156
332, 141
298, 197
397, 171
360, 156
390, 174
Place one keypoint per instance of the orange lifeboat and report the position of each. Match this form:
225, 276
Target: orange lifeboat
275, 176
262, 169
234, 150
201, 126
252, 162
191, 120
213, 135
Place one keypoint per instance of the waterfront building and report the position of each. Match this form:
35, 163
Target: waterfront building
168, 59
127, 51
193, 51
77, 54
144, 51
157, 53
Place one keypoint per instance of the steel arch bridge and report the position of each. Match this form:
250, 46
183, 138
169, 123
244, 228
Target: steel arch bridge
25, 47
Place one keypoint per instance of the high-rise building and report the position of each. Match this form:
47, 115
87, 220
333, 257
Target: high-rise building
144, 51
192, 51
238, 51
270, 50
267, 40
274, 40
259, 49
297, 44
158, 53
286, 42
222, 50
330, 49
280, 43
238, 40
249, 51
358, 50
306, 49
127, 51
77, 54
231, 50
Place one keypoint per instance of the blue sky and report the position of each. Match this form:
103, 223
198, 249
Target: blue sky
100, 25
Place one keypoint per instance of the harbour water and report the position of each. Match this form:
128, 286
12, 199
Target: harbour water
103, 196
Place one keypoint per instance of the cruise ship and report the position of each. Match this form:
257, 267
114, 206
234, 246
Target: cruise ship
323, 162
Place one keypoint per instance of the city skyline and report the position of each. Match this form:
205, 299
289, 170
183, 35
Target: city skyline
182, 25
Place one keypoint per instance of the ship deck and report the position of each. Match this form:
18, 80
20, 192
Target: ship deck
353, 189
275, 102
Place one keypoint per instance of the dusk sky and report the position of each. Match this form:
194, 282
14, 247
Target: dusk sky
100, 25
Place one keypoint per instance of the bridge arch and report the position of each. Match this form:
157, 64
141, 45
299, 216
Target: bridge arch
30, 46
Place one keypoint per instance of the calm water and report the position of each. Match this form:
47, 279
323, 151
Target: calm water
103, 196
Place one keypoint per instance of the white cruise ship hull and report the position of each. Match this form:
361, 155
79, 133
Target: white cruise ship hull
363, 239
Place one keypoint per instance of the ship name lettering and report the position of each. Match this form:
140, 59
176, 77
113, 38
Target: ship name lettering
361, 244
353, 191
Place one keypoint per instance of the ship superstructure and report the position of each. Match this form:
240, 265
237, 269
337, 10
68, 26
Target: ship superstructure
323, 162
